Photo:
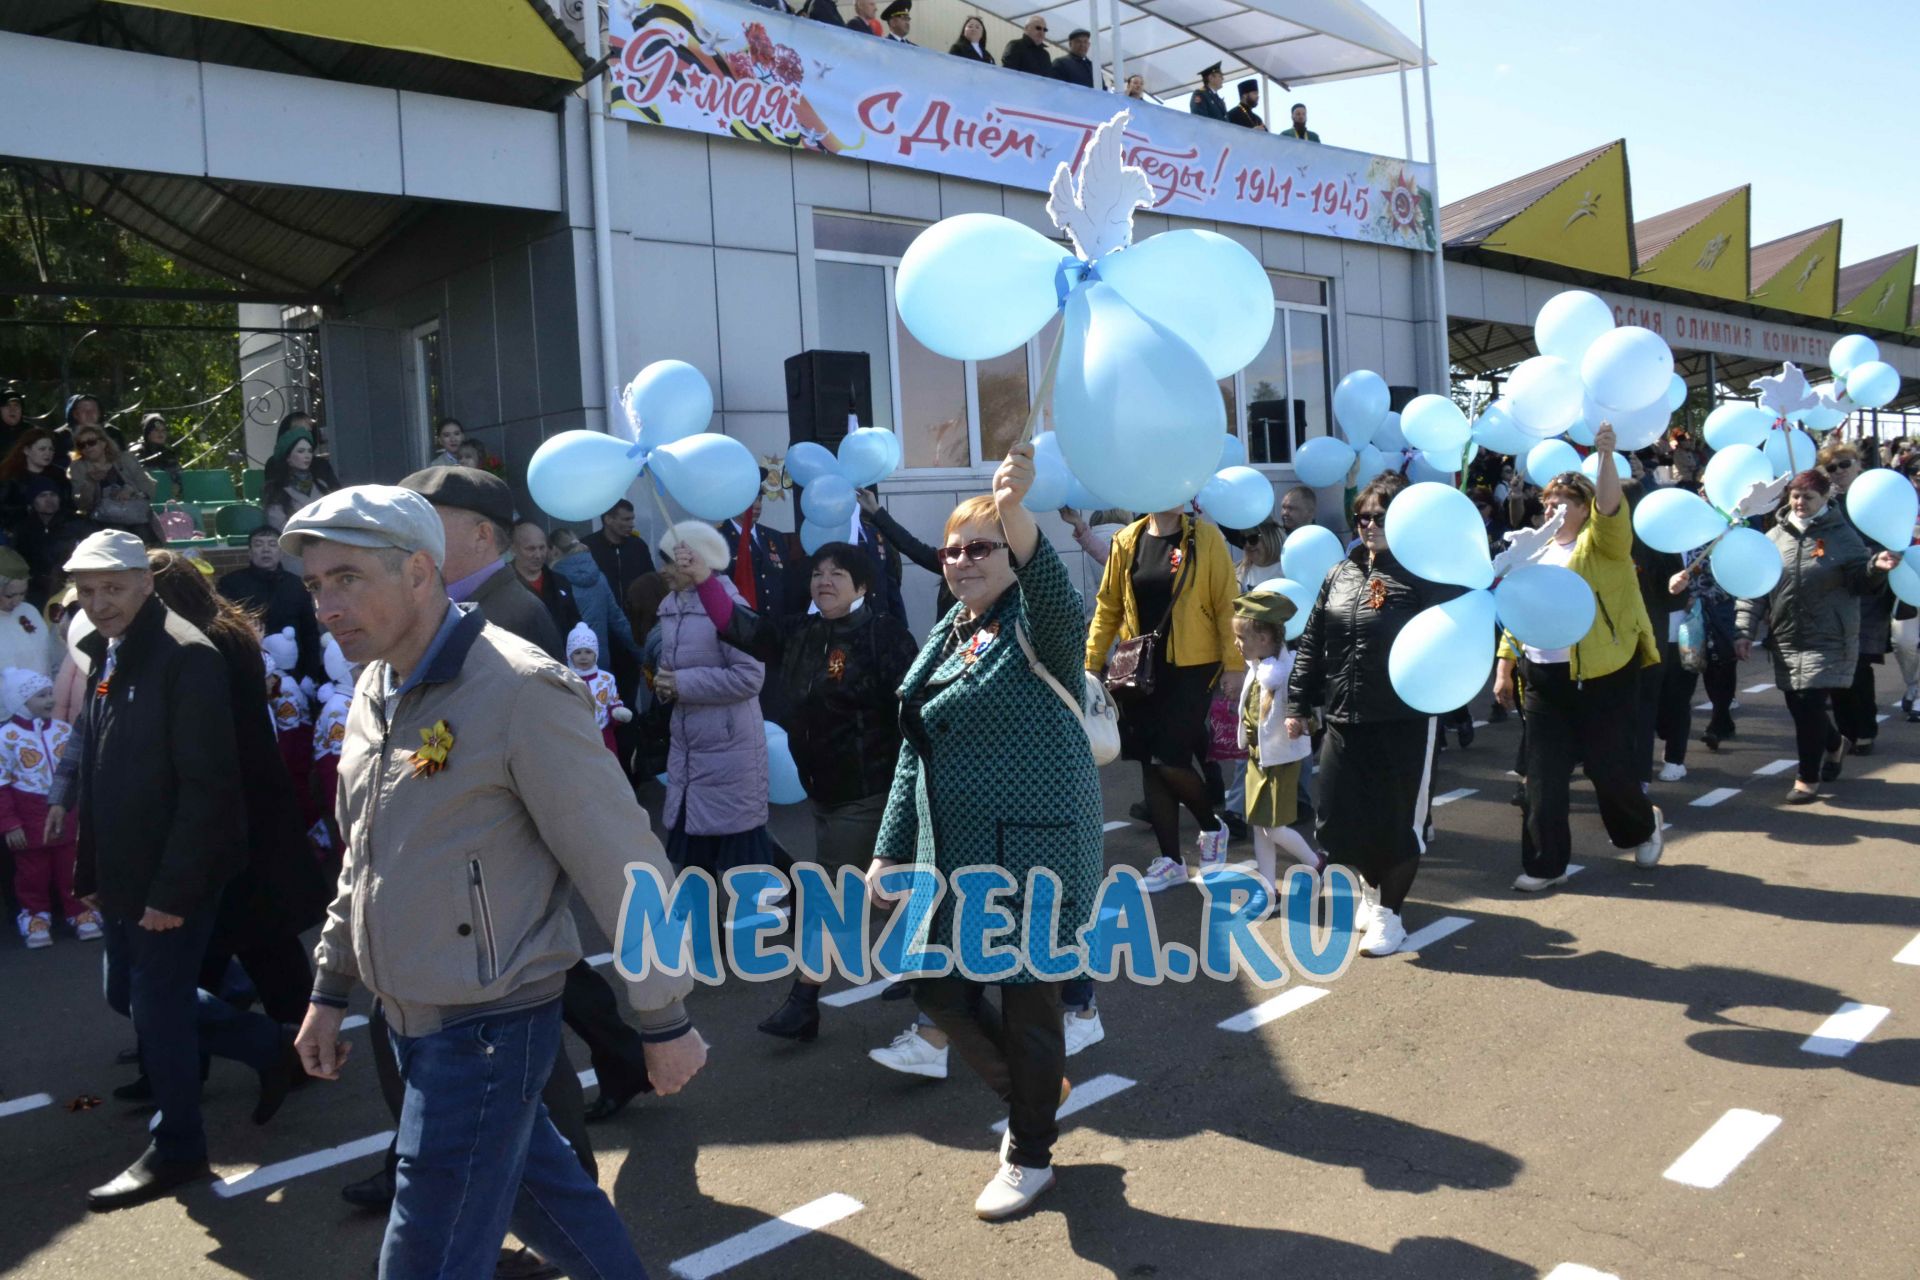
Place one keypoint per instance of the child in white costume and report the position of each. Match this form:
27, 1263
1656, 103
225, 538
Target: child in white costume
583, 655
31, 742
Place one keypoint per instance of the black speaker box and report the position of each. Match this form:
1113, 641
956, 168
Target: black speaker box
822, 388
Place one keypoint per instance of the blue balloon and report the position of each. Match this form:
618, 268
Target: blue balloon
1309, 552
1051, 479
1905, 578
1081, 498
1632, 429
1360, 403
830, 500
1590, 468
1882, 504
867, 456
1323, 462
1435, 531
1581, 432
1545, 605
1441, 658
977, 285
1873, 385
1676, 394
1233, 452
807, 462
1674, 520
1236, 498
1424, 468
783, 776
1850, 352
1550, 458
1496, 431
1434, 424
1731, 472
1791, 451
1162, 275
815, 534
1544, 396
1372, 463
577, 475
1746, 564
666, 401
1628, 368
1737, 422
1569, 322
1303, 598
1137, 411
713, 477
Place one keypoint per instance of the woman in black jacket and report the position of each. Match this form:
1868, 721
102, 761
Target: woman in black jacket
1378, 751
972, 43
841, 669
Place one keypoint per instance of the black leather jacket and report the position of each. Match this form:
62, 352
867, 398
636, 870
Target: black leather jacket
1342, 660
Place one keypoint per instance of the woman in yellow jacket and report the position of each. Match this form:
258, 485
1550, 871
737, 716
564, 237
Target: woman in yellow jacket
1170, 574
1580, 702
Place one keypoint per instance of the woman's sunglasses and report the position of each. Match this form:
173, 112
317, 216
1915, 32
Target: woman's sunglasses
91, 441
1835, 468
977, 550
1368, 517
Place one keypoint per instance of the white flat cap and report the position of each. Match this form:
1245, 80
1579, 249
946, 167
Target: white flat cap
376, 516
109, 551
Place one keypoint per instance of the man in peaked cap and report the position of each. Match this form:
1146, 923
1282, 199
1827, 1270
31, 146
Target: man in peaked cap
1206, 99
899, 19
1244, 115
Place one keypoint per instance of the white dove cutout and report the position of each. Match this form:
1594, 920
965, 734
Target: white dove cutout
1761, 497
1786, 392
1524, 546
1096, 212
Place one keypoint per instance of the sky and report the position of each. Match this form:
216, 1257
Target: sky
1812, 104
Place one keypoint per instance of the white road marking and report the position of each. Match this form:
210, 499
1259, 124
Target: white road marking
33, 1102
1098, 1089
1841, 1034
1777, 766
1448, 797
854, 995
1881, 719
1909, 954
1479, 724
1575, 868
768, 1236
1574, 1271
589, 1078
605, 957
353, 1022
1759, 688
1734, 1137
1444, 927
272, 1175
1278, 1007
1705, 706
1116, 826
1715, 796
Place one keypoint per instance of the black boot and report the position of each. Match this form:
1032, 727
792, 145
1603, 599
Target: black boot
797, 1019
375, 1192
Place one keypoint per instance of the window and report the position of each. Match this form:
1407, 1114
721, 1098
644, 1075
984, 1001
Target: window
954, 415
426, 375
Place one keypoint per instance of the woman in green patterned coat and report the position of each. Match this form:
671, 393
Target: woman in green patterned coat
994, 769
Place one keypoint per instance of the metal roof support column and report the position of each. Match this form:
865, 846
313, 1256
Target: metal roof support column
1406, 114
1093, 38
1439, 252
1119, 49
602, 221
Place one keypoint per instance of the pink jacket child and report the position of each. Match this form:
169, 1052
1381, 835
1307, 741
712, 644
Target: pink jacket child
583, 655
292, 725
329, 735
30, 746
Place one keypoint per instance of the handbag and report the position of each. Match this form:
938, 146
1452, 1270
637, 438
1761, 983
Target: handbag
176, 523
1135, 665
1096, 714
1692, 640
126, 508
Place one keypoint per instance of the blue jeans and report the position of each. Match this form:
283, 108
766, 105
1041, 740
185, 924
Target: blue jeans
479, 1154
153, 978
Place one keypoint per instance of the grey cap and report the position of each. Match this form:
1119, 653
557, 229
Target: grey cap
376, 516
109, 551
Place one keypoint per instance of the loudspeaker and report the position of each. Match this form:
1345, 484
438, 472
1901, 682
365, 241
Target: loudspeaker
822, 388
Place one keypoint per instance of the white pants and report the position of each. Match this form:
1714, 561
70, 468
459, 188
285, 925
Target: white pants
1906, 649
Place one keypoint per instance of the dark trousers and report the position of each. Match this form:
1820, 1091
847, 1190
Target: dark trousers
1591, 721
566, 1104
1646, 719
281, 970
1854, 712
153, 978
1718, 679
1674, 722
592, 1010
1020, 1050
1814, 733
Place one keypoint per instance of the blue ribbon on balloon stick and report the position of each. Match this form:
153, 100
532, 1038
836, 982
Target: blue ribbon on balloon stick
1070, 273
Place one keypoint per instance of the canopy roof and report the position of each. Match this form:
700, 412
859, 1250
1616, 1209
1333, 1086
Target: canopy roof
1293, 42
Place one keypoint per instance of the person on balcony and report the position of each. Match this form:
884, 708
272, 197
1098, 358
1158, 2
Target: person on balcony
1244, 115
1299, 129
972, 43
1074, 66
1206, 99
864, 18
899, 19
1028, 51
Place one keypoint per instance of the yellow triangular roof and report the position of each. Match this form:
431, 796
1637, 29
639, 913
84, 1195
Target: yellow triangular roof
1584, 220
1797, 273
1702, 247
1875, 294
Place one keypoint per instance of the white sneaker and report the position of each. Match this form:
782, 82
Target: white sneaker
1164, 873
39, 931
1082, 1032
1213, 849
1648, 854
1012, 1189
1671, 772
1733, 704
86, 926
22, 920
1534, 884
1365, 908
1385, 935
913, 1054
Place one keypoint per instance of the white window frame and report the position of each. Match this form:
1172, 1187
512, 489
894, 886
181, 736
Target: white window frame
416, 371
1282, 320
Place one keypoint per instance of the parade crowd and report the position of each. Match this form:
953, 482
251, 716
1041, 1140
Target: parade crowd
422, 720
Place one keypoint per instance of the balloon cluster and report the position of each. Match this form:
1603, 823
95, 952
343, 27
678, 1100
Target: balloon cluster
829, 485
1133, 379
578, 475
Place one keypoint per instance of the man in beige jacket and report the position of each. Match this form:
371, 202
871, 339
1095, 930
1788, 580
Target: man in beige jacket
474, 790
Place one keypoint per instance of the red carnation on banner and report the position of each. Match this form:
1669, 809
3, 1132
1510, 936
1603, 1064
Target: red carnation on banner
741, 65
787, 67
758, 43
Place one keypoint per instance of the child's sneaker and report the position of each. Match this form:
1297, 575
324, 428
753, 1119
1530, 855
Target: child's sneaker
1163, 873
39, 931
86, 926
1213, 849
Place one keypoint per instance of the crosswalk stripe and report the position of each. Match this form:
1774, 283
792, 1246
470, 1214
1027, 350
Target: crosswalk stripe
1444, 927
1842, 1033
1084, 1095
1719, 1151
1909, 954
272, 1175
1278, 1007
1777, 766
353, 1022
1116, 826
605, 957
1574, 1271
1759, 688
854, 995
1715, 796
768, 1236
32, 1102
1448, 797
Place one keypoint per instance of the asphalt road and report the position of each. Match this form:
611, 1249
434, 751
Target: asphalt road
1515, 1098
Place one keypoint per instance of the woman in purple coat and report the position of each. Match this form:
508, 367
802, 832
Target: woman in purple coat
716, 811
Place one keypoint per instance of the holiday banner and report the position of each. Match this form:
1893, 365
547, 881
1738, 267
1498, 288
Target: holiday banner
739, 71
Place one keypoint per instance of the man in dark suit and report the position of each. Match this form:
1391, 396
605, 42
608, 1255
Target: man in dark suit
530, 565
1299, 129
864, 19
765, 564
278, 598
899, 19
1244, 115
1028, 51
1073, 66
1206, 99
